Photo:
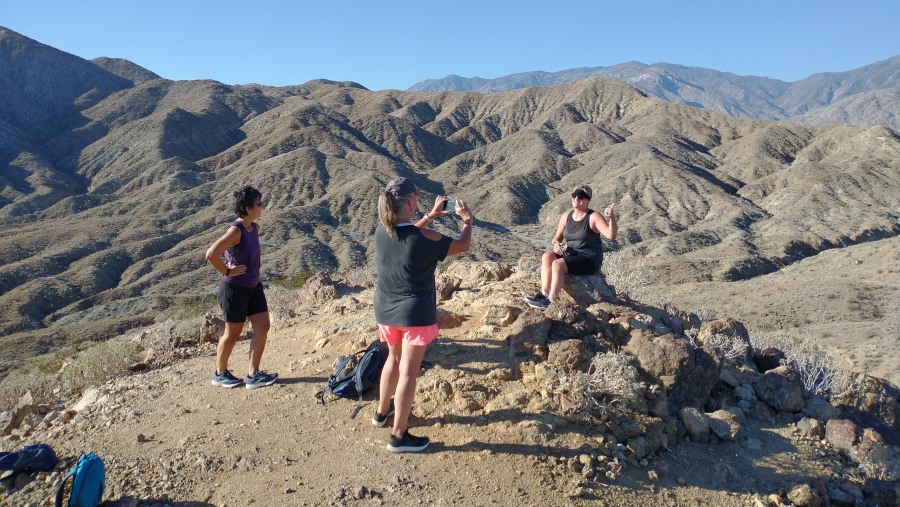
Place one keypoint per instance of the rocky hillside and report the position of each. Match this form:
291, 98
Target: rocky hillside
597, 399
866, 96
114, 182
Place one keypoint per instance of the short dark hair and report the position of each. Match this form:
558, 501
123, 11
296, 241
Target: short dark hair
245, 198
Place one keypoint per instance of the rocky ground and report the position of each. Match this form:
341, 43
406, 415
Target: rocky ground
690, 427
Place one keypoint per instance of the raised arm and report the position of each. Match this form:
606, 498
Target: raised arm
606, 225
461, 244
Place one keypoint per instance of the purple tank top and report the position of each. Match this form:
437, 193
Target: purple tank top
246, 252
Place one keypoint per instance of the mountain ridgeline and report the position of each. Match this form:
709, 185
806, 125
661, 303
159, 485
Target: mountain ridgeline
114, 181
866, 96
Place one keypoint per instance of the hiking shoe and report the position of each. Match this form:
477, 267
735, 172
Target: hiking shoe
380, 420
225, 379
260, 379
408, 443
539, 301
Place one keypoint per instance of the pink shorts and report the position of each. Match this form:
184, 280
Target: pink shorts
414, 335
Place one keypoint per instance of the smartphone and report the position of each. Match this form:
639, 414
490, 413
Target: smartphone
449, 204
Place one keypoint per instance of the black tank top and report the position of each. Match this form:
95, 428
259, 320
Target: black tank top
580, 237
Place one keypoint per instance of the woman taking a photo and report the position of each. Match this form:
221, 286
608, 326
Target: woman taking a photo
406, 256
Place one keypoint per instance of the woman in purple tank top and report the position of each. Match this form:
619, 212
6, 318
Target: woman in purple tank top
241, 293
581, 228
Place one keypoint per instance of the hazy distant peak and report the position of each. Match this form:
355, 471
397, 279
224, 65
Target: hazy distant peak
752, 97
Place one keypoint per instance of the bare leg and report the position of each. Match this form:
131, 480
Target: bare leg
547, 270
559, 270
226, 344
261, 323
390, 373
410, 362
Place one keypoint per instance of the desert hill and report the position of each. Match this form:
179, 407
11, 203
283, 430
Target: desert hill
114, 182
815, 100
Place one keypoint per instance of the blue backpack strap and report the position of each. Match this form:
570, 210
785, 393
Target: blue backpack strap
333, 378
361, 368
62, 485
88, 483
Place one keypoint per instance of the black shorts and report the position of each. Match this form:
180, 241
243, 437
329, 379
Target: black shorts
580, 264
240, 302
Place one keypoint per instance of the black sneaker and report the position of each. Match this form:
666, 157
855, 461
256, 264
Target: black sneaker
539, 301
380, 420
408, 443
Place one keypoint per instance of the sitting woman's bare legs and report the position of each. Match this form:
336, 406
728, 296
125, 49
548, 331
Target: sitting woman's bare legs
547, 271
558, 270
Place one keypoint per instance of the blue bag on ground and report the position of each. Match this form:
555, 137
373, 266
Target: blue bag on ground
31, 458
27, 460
88, 481
355, 374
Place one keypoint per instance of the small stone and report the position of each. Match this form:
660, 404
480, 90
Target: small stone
681, 481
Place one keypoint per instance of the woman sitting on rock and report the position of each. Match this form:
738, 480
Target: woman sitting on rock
406, 256
581, 229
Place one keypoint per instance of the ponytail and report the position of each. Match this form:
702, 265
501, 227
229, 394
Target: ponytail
389, 204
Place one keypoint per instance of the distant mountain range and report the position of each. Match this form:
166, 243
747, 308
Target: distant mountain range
113, 181
865, 96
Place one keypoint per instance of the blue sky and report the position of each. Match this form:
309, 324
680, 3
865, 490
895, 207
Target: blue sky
394, 44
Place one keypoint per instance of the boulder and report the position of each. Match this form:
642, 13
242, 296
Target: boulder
446, 285
695, 424
688, 373
502, 316
874, 403
819, 408
812, 428
804, 495
724, 425
586, 290
211, 329
733, 330
781, 388
528, 337
473, 274
568, 355
318, 288
884, 493
842, 434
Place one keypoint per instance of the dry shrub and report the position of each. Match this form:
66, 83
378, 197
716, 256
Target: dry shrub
42, 386
731, 346
821, 373
360, 276
628, 273
608, 385
99, 363
283, 302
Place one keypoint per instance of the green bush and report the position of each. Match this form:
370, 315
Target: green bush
294, 282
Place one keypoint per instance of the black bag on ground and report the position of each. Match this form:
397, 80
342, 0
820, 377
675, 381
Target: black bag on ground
355, 374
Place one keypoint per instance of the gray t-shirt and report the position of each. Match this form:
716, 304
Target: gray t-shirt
405, 293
